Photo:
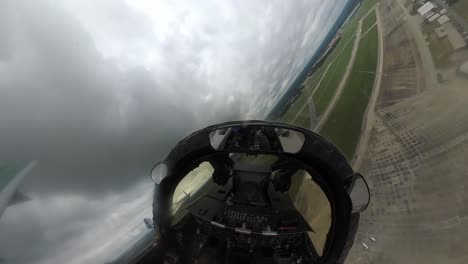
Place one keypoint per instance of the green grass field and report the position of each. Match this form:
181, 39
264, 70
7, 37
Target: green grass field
341, 57
296, 107
303, 119
343, 126
311, 83
324, 93
368, 22
350, 29
332, 79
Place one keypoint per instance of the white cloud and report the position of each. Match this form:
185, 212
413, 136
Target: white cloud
90, 230
223, 44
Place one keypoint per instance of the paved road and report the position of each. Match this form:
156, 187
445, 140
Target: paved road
367, 32
370, 113
343, 82
426, 56
310, 99
313, 115
320, 82
310, 103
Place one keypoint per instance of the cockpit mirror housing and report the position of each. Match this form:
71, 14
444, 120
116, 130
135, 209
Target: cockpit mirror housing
270, 139
360, 194
159, 172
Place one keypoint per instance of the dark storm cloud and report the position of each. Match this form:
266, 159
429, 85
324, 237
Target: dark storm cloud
82, 117
99, 91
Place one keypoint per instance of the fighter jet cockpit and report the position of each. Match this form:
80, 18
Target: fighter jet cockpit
255, 192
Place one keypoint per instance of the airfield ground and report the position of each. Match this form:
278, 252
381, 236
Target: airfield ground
348, 113
417, 155
369, 21
341, 73
351, 56
320, 87
408, 135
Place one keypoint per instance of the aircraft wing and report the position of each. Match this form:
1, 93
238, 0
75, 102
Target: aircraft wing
11, 175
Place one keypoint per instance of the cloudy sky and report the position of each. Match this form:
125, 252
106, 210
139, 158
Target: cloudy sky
97, 91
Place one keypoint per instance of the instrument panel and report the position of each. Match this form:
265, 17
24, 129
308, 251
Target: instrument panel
248, 219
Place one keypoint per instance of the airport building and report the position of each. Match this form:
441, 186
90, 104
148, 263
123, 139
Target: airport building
445, 30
